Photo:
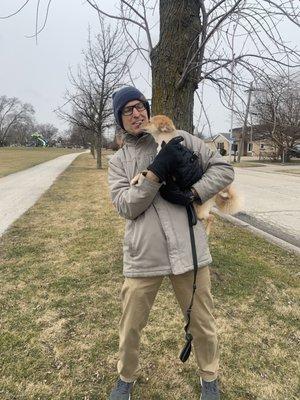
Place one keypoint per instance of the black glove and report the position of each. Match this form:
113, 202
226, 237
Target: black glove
172, 193
188, 170
167, 159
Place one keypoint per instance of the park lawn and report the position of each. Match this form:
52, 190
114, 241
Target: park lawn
61, 274
294, 171
261, 163
246, 164
14, 159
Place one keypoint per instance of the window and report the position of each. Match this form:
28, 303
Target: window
262, 146
250, 147
220, 145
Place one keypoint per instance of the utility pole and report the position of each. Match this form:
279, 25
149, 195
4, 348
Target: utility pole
232, 104
242, 141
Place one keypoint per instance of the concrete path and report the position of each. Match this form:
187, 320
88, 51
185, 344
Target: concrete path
272, 200
19, 191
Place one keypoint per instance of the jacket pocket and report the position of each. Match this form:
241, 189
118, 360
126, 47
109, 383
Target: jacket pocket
133, 234
137, 235
129, 229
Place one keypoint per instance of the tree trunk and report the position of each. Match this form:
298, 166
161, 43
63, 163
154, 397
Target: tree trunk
244, 130
98, 149
179, 37
93, 150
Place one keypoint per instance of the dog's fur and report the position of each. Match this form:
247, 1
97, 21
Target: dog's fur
227, 200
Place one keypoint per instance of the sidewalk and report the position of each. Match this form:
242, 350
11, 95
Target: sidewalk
19, 191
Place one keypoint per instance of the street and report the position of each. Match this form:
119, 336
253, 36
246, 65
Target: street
272, 200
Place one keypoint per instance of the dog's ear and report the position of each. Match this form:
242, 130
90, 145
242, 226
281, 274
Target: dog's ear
163, 143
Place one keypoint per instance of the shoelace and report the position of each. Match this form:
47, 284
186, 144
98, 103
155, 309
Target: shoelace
123, 387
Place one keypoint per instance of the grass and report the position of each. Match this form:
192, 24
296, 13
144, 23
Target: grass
14, 159
255, 164
60, 277
293, 161
246, 164
294, 171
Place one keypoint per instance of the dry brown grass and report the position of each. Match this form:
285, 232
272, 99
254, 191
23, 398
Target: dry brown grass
13, 159
293, 171
61, 273
247, 164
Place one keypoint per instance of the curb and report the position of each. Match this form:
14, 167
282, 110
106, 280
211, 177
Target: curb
267, 236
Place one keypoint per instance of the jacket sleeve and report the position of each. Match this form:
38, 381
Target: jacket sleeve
217, 173
130, 201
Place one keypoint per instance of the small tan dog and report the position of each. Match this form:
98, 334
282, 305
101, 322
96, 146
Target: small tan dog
227, 201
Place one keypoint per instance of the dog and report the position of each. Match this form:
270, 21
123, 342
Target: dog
227, 200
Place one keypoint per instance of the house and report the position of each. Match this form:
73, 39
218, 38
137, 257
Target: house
220, 141
256, 142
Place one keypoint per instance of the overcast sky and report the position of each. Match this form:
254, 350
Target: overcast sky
38, 74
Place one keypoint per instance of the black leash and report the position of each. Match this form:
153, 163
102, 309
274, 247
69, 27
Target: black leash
192, 217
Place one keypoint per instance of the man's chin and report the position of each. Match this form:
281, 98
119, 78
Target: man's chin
137, 131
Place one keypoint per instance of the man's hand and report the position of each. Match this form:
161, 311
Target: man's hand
188, 169
167, 159
152, 177
172, 193
179, 162
194, 191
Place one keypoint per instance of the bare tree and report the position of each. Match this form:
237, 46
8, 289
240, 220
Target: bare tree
196, 46
48, 131
21, 131
103, 72
79, 136
223, 43
12, 114
276, 107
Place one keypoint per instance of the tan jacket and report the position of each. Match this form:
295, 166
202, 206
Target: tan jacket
157, 239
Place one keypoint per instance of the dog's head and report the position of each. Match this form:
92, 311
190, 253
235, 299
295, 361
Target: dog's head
161, 128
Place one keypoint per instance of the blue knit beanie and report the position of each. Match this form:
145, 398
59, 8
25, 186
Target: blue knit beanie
122, 97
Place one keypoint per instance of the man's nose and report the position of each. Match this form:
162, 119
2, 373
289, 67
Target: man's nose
135, 112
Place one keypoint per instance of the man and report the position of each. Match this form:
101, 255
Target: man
157, 240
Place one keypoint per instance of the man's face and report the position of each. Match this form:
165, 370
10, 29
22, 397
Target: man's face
134, 123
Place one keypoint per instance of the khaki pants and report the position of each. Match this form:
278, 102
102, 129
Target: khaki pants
138, 295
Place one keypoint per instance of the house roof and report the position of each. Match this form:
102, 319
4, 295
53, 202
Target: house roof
257, 132
226, 136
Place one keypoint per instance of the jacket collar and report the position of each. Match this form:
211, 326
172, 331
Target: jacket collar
133, 140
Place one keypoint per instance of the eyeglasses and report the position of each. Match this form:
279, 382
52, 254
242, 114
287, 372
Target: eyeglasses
129, 109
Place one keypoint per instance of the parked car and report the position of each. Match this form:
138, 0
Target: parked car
295, 151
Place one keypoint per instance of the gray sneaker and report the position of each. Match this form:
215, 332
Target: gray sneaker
210, 390
121, 391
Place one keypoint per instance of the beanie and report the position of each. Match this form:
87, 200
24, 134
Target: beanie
122, 97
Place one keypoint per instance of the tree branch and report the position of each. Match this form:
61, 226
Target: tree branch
16, 12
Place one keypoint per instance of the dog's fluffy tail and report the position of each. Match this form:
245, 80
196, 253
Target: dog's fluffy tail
229, 201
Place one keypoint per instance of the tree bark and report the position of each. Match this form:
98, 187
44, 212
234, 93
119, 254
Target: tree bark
242, 141
93, 150
98, 150
179, 39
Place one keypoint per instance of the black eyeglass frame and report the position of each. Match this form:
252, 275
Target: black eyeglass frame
140, 106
